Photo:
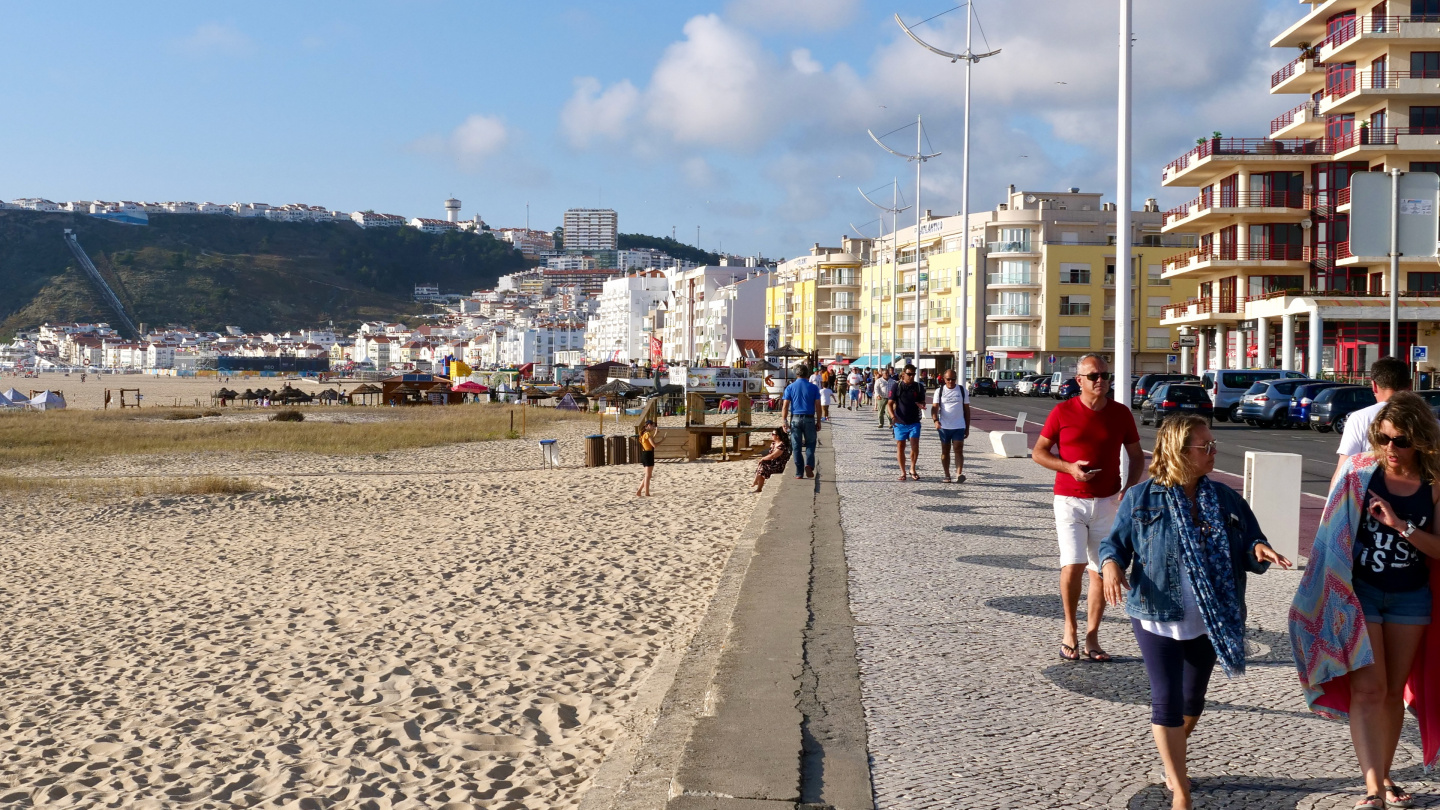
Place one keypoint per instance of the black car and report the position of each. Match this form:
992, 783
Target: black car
1147, 383
1069, 388
1042, 387
1170, 398
1333, 406
987, 386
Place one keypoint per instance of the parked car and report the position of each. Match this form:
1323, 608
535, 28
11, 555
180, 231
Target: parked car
1226, 387
1300, 401
1432, 398
985, 385
1334, 405
1026, 385
1069, 388
1143, 386
1042, 387
1169, 398
1267, 403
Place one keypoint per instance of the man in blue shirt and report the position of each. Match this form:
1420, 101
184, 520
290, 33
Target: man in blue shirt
798, 410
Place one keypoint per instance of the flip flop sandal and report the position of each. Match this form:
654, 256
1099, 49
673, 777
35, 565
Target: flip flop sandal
947, 479
1069, 653
1371, 802
1403, 797
960, 479
1096, 656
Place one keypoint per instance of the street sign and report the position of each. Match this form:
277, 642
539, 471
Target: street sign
1052, 358
1172, 358
1175, 346
1373, 205
1188, 341
1419, 354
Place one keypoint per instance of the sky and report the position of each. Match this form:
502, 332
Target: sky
746, 119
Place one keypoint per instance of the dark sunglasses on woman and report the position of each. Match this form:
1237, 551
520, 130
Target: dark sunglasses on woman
1400, 442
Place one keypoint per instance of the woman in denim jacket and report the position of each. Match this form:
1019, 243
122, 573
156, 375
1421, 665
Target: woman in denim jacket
1188, 543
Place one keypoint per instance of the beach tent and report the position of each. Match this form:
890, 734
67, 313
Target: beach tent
6, 403
16, 397
568, 403
47, 401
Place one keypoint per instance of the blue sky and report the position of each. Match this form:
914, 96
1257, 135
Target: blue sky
744, 117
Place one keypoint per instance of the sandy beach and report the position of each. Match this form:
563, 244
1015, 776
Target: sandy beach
441, 627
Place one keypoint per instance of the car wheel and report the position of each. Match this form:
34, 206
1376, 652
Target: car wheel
1235, 413
1322, 428
1222, 416
1339, 423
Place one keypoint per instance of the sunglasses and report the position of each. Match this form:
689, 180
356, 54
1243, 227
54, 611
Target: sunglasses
1208, 447
1400, 442
1096, 376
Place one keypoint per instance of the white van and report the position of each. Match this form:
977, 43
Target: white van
1227, 386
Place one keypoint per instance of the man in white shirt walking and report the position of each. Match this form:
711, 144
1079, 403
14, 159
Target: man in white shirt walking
883, 386
951, 411
856, 384
1387, 375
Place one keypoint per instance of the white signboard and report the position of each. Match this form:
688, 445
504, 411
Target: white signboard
1373, 205
1419, 354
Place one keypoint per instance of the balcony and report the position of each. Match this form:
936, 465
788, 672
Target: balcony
1219, 210
1009, 311
1369, 36
1363, 88
1215, 157
1011, 247
1023, 341
1386, 139
1305, 74
1204, 311
838, 305
839, 279
1304, 121
1216, 257
1013, 280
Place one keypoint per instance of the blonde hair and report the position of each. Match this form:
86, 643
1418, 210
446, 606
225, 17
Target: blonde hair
1412, 416
1169, 464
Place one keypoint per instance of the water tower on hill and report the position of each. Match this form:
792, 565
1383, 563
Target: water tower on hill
452, 210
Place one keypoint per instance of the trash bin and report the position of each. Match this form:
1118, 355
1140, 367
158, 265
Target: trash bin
633, 446
595, 451
549, 453
615, 449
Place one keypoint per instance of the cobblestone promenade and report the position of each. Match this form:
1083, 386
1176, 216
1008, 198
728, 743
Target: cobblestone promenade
967, 702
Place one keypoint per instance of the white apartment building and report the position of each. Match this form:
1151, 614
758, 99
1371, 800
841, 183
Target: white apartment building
570, 263
616, 330
527, 240
707, 308
433, 225
539, 344
591, 229
370, 219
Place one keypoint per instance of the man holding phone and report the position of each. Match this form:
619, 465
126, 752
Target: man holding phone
1081, 442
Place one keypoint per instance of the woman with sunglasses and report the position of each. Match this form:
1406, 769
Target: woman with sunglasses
1359, 617
1188, 543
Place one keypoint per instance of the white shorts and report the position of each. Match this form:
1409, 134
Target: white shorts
1082, 524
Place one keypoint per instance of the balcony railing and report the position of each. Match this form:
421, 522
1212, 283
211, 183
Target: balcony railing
1249, 146
1010, 340
1287, 118
1010, 247
1379, 136
1012, 278
1010, 310
1373, 80
1289, 70
1234, 253
1239, 199
1371, 24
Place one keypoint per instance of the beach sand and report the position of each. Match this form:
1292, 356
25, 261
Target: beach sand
437, 628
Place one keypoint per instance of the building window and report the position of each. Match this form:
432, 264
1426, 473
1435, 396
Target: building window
1074, 273
1074, 337
1157, 338
1154, 304
1423, 282
1075, 305
1153, 275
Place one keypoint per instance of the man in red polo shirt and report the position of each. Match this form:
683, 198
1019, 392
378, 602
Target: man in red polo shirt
1081, 442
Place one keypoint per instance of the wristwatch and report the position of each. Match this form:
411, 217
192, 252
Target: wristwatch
1410, 529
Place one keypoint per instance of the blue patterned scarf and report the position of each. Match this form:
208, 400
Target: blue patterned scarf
1212, 572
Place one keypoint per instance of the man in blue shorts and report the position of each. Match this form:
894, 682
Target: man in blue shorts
951, 411
907, 400
798, 410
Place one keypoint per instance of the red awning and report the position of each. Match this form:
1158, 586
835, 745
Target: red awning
470, 388
1021, 355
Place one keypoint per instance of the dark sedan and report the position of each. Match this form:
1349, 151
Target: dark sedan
1041, 388
986, 386
1300, 401
1168, 399
1334, 405
1069, 388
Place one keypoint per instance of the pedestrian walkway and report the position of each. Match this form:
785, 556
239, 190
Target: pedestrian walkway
967, 702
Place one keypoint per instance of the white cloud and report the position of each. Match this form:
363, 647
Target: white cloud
712, 88
216, 39
794, 14
592, 112
476, 139
801, 59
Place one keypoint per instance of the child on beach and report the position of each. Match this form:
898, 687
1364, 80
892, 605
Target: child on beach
647, 456
774, 461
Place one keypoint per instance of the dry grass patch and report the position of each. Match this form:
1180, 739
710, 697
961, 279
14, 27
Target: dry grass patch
76, 435
126, 487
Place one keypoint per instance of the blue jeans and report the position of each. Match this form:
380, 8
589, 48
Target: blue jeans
802, 437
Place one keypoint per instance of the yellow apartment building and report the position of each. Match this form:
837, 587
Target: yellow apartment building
1041, 287
1278, 285
814, 300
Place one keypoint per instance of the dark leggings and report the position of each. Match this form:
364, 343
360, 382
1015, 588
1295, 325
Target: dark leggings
1179, 675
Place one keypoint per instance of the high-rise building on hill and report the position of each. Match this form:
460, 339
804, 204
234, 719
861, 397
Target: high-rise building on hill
591, 229
1278, 285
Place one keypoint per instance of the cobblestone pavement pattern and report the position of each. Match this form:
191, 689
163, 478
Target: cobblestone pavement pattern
967, 702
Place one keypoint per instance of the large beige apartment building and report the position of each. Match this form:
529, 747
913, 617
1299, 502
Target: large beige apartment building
1042, 267
814, 302
1278, 285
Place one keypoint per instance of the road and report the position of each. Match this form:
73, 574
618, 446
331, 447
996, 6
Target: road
1318, 449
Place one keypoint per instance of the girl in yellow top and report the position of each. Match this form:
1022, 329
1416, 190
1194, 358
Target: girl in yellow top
647, 456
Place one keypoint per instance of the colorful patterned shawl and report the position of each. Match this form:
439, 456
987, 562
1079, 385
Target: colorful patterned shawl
1328, 635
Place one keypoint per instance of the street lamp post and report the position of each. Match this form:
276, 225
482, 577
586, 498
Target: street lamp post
919, 159
894, 211
970, 58
1122, 219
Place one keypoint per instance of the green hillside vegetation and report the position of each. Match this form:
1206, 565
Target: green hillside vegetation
209, 271
679, 250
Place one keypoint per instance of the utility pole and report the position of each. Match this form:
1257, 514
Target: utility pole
1123, 236
970, 58
894, 212
918, 159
